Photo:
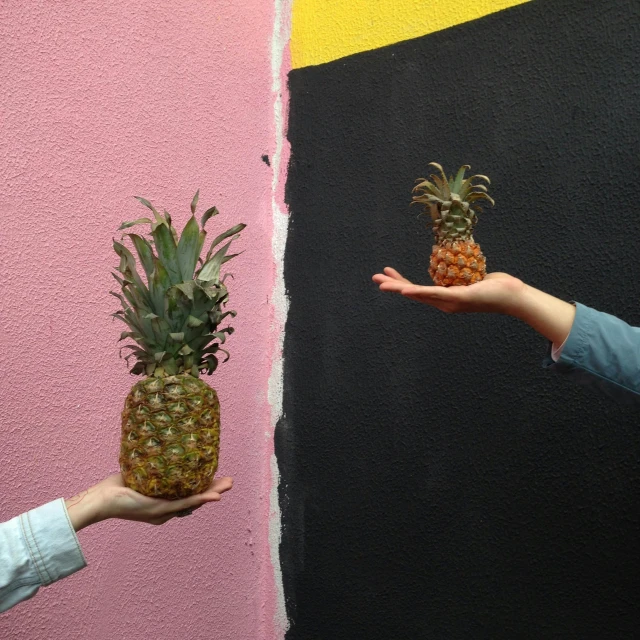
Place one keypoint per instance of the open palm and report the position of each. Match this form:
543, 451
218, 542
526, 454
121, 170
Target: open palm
130, 505
495, 294
112, 499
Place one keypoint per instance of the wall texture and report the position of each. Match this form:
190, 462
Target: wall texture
436, 482
433, 480
100, 102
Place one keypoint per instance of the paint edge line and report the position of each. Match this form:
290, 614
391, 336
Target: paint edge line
280, 302
305, 60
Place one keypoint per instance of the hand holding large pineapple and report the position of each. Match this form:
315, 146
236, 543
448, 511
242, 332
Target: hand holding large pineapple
112, 499
456, 259
171, 418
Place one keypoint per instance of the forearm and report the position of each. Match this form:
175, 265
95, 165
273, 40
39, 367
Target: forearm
549, 316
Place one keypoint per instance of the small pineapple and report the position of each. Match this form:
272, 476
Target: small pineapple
456, 259
171, 419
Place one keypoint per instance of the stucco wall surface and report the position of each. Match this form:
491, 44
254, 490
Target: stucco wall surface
100, 102
437, 482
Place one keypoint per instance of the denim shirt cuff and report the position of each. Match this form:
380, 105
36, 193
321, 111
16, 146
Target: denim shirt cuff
52, 542
577, 342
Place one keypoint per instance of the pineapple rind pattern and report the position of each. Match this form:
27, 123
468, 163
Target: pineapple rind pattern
457, 263
162, 453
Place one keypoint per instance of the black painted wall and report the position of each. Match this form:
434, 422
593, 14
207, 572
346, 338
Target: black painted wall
436, 481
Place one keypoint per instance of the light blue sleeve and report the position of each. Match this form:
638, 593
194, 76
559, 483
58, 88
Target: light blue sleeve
36, 549
602, 352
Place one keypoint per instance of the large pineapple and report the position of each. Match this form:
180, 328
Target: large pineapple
456, 259
171, 418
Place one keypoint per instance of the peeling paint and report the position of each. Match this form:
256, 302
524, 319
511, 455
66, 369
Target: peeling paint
280, 64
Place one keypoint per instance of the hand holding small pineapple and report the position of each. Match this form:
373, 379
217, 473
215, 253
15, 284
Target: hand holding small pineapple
456, 259
497, 293
112, 499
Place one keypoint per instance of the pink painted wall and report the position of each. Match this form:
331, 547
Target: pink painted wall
99, 102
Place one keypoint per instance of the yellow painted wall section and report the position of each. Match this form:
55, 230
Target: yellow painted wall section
325, 30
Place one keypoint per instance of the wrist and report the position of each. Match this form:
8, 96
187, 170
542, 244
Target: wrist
523, 306
86, 508
515, 298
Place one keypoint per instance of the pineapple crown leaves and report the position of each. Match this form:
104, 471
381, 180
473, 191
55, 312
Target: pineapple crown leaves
174, 316
452, 202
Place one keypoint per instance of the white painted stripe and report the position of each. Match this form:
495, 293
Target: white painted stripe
280, 302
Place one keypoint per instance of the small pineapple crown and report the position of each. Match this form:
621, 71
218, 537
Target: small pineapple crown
451, 202
174, 316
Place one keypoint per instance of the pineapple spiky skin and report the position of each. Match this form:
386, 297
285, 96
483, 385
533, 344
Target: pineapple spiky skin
456, 259
170, 436
457, 263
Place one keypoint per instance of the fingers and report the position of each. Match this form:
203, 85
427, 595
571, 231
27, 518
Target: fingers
434, 296
212, 494
217, 487
419, 296
380, 277
392, 285
389, 275
396, 275
430, 293
173, 507
222, 484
